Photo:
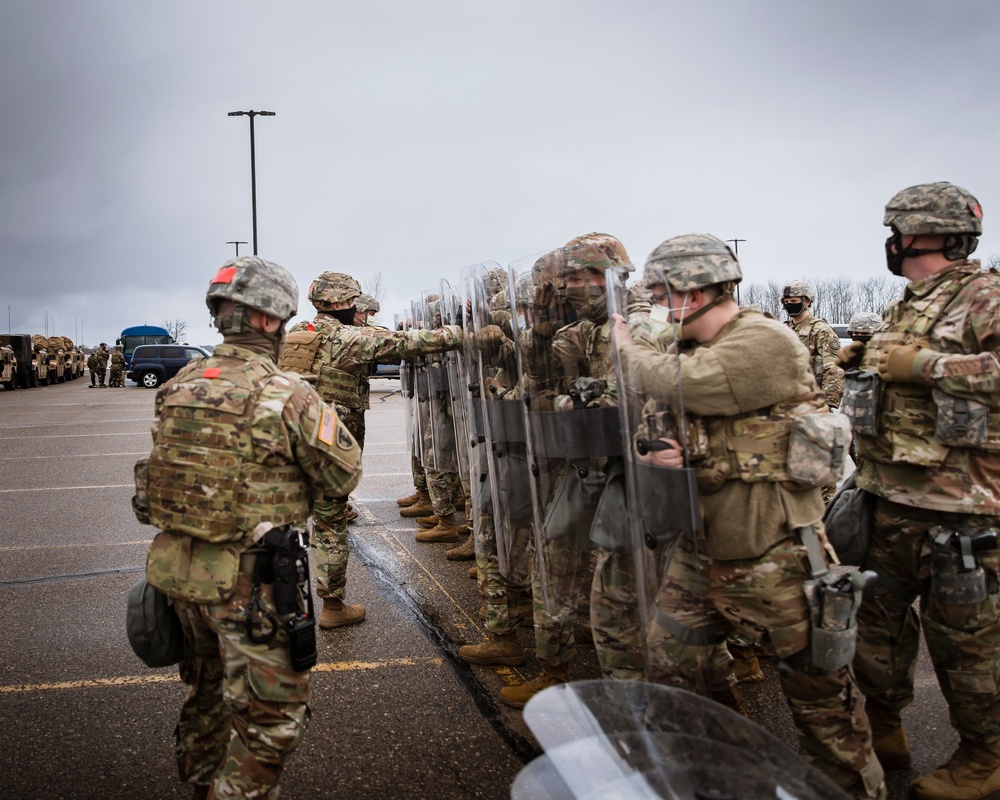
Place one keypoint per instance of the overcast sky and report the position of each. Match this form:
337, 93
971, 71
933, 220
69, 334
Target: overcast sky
415, 138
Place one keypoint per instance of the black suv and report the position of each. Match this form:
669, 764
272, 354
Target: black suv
152, 364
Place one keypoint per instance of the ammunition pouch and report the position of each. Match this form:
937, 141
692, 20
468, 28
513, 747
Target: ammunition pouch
833, 602
140, 500
957, 575
960, 422
860, 401
817, 448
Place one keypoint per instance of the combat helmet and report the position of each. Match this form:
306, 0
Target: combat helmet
610, 246
252, 282
798, 289
864, 323
693, 261
933, 209
333, 287
366, 304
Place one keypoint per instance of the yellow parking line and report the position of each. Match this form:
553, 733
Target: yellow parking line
144, 680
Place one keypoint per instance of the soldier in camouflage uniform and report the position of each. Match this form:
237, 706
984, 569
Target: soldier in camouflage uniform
102, 363
930, 455
754, 563
92, 365
339, 356
238, 449
818, 336
117, 377
583, 367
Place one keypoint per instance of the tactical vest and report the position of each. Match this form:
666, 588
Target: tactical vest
303, 354
751, 447
203, 479
807, 335
918, 424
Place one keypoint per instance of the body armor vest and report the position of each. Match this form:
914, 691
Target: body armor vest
918, 424
204, 478
751, 447
303, 353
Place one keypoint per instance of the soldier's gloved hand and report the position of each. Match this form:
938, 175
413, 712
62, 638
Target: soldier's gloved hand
542, 401
494, 388
850, 355
490, 340
906, 363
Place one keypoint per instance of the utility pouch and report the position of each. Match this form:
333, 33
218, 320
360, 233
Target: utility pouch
191, 569
957, 576
860, 401
960, 422
817, 447
833, 602
668, 503
570, 516
140, 500
611, 520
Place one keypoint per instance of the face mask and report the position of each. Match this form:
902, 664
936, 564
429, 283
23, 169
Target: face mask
589, 302
660, 314
861, 337
793, 309
344, 315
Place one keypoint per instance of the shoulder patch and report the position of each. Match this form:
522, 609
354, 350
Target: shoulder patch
327, 427
344, 439
211, 372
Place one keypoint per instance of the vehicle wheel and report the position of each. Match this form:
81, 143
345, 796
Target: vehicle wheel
150, 380
9, 386
33, 380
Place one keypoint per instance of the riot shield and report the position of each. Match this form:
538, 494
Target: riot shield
407, 389
452, 313
439, 437
422, 406
628, 739
663, 500
573, 434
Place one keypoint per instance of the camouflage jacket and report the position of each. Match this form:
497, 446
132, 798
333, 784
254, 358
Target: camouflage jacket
729, 384
345, 354
920, 457
102, 358
822, 343
117, 360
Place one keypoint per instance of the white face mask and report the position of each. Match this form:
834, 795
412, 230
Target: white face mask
659, 314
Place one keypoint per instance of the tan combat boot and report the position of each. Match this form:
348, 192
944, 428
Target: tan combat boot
466, 551
336, 613
351, 513
474, 573
518, 696
888, 737
428, 521
502, 649
747, 667
445, 531
421, 508
972, 773
409, 500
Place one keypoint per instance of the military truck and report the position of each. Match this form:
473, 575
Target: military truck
58, 361
8, 368
41, 360
26, 371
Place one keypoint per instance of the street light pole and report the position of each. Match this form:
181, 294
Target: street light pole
736, 251
238, 247
253, 165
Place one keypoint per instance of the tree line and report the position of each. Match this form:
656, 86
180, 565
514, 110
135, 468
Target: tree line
837, 299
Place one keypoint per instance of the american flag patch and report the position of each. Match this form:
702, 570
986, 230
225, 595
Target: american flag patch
327, 426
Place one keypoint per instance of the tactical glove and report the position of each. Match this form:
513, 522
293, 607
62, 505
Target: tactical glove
906, 363
850, 355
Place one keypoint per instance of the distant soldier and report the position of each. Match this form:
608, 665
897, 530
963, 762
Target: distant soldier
93, 364
239, 452
117, 378
927, 424
862, 325
820, 339
366, 307
339, 357
102, 364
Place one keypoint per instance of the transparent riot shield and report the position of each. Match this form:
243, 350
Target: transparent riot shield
439, 437
573, 434
407, 389
629, 739
422, 406
452, 313
494, 379
662, 497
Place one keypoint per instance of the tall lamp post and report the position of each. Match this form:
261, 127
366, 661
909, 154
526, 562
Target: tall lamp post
253, 166
736, 251
238, 247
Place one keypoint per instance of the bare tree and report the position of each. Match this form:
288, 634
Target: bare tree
994, 261
375, 286
176, 328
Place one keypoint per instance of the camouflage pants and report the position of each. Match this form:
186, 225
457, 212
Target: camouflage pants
501, 597
330, 552
117, 377
615, 617
101, 374
555, 599
417, 469
963, 639
701, 601
445, 489
246, 710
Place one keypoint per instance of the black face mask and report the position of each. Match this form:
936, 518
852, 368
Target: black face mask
894, 260
793, 309
861, 337
344, 315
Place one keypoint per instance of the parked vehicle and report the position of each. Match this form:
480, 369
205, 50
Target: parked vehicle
152, 364
25, 373
8, 368
138, 335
